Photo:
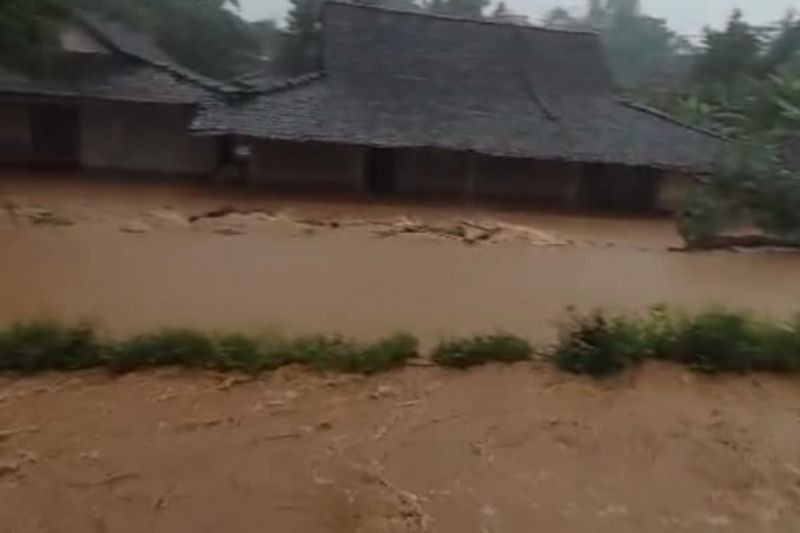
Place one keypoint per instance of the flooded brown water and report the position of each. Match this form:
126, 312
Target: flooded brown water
420, 450
343, 280
416, 451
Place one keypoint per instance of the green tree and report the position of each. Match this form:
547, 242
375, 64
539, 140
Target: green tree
746, 85
25, 27
729, 54
636, 45
269, 36
560, 18
595, 13
782, 51
301, 49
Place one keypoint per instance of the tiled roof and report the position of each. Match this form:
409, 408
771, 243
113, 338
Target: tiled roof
136, 70
119, 82
407, 79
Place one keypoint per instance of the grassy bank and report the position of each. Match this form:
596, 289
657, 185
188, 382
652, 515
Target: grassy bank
38, 346
597, 344
714, 341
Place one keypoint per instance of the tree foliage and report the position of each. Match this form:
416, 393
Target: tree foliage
744, 85
25, 28
637, 45
301, 48
728, 53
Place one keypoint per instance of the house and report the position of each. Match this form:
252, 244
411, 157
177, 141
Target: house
414, 103
106, 98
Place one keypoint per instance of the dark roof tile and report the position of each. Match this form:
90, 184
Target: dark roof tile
414, 80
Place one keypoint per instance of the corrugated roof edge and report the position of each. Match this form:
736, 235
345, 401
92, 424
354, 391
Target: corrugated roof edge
453, 18
94, 23
669, 118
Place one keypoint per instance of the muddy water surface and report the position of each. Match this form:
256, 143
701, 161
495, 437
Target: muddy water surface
415, 451
342, 280
421, 450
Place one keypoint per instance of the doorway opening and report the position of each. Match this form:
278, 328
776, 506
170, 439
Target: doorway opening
55, 131
617, 187
381, 171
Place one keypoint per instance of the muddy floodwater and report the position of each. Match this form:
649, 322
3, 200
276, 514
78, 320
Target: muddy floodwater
414, 451
125, 254
418, 450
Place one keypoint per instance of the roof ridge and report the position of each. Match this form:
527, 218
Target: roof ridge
454, 18
669, 118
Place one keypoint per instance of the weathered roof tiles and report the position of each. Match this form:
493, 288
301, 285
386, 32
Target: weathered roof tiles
408, 79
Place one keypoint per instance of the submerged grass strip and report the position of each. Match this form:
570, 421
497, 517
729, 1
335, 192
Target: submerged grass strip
481, 349
39, 346
597, 344
716, 341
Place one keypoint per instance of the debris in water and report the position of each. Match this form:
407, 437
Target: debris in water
45, 217
13, 432
229, 231
216, 213
8, 468
170, 217
28, 456
135, 226
467, 231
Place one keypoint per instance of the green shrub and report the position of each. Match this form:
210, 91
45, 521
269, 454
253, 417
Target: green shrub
344, 355
600, 346
386, 354
778, 347
478, 350
37, 346
702, 219
178, 347
41, 346
662, 329
733, 341
596, 344
246, 354
719, 341
321, 352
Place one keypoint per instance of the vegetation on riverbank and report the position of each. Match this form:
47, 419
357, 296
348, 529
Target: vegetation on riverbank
481, 349
597, 344
39, 346
715, 341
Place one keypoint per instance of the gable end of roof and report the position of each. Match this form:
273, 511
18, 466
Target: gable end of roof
142, 48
